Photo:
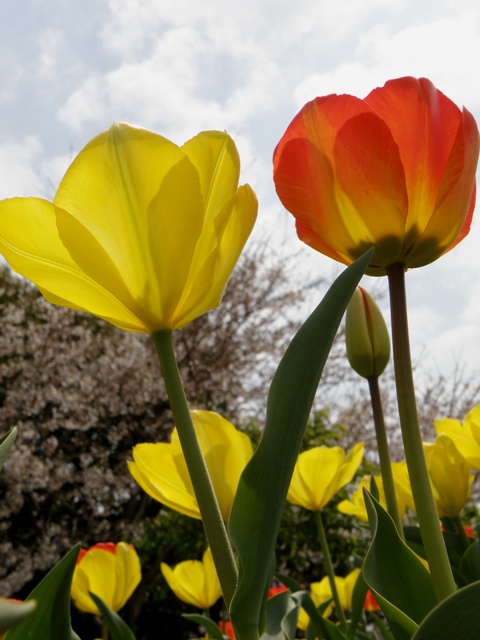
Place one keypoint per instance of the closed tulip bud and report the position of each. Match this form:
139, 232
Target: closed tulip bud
368, 341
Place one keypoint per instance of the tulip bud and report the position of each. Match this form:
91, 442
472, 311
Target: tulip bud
368, 342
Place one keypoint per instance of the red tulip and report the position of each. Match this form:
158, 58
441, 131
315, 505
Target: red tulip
370, 603
227, 629
395, 170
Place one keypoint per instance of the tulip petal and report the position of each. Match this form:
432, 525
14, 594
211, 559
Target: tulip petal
30, 242
156, 472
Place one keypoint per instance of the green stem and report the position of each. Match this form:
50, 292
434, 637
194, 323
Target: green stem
384, 454
104, 631
327, 560
202, 485
428, 520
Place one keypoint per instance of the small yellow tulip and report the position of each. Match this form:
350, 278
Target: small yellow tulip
321, 592
110, 571
194, 581
141, 232
466, 436
449, 475
161, 471
356, 505
366, 335
320, 472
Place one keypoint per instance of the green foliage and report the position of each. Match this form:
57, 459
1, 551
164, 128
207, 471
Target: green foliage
51, 617
401, 583
264, 483
455, 617
117, 628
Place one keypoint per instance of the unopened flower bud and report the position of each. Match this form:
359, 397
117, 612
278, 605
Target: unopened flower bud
368, 342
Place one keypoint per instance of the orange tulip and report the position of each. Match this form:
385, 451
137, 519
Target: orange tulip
395, 171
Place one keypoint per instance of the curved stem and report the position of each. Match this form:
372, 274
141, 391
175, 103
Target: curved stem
202, 485
384, 454
104, 631
428, 520
327, 560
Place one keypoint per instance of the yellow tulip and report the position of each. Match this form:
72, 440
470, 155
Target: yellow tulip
161, 471
141, 232
194, 581
355, 506
449, 475
110, 571
321, 592
320, 472
466, 436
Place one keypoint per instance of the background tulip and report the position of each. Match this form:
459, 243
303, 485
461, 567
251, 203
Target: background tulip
321, 592
466, 435
141, 232
110, 571
450, 476
194, 582
355, 506
395, 170
161, 471
320, 472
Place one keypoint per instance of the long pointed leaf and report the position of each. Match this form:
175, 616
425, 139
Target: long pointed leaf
51, 617
455, 617
118, 629
212, 629
260, 498
401, 584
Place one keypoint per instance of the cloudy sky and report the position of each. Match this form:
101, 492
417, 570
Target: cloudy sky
69, 69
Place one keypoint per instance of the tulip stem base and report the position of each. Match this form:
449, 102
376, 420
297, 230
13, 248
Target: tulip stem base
327, 561
202, 485
428, 520
384, 454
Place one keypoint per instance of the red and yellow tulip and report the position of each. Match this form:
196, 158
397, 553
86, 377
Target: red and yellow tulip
110, 571
395, 170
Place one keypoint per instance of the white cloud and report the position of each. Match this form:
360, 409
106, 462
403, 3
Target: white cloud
18, 167
446, 49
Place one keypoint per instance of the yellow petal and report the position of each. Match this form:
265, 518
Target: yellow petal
30, 242
156, 472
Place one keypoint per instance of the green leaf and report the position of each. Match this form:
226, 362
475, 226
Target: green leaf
358, 599
212, 629
117, 628
470, 563
455, 617
51, 617
398, 579
6, 442
12, 613
319, 626
282, 615
260, 498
